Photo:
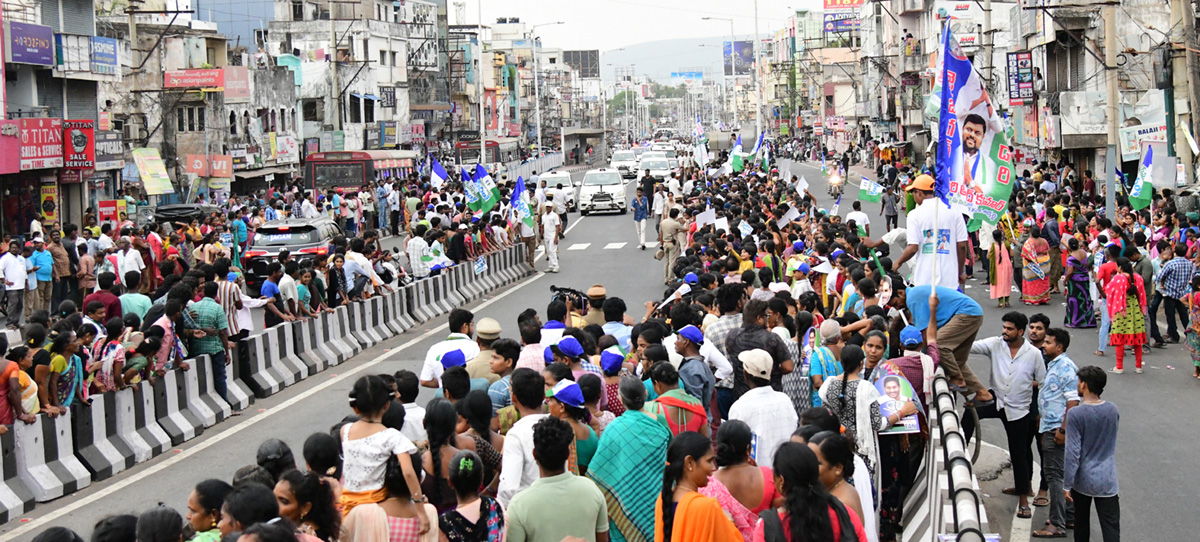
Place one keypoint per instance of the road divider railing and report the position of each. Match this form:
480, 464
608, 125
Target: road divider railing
945, 502
56, 456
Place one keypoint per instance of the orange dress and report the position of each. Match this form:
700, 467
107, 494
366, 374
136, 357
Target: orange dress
697, 519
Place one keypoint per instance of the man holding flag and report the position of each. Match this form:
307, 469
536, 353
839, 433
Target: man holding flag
523, 217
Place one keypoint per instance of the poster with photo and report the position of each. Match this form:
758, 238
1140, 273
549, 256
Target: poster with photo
894, 391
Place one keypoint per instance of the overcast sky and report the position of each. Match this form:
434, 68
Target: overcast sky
611, 24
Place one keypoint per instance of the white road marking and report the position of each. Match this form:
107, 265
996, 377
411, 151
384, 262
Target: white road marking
615, 246
651, 244
579, 246
232, 430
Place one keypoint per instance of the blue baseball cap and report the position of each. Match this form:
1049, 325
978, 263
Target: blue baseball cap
836, 253
691, 278
798, 246
611, 359
453, 358
910, 336
567, 393
548, 355
692, 333
568, 346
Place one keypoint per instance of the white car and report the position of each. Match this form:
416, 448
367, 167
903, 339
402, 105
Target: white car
659, 168
553, 179
626, 162
602, 190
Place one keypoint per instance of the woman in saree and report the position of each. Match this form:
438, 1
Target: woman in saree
1035, 257
682, 513
66, 371
1128, 317
1000, 269
1080, 312
628, 465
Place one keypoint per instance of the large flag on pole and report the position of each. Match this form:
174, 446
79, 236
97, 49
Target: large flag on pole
735, 156
870, 190
1142, 192
437, 173
520, 204
471, 190
699, 130
974, 158
489, 194
757, 144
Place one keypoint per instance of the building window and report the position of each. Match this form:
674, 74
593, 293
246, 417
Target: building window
313, 109
260, 37
272, 121
189, 119
368, 110
297, 11
282, 119
355, 109
394, 58
383, 58
233, 123
246, 121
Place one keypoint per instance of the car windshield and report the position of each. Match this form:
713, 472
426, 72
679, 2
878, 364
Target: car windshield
653, 155
654, 164
604, 178
277, 236
623, 156
669, 153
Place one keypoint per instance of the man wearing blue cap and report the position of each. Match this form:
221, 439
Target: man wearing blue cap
697, 379
462, 326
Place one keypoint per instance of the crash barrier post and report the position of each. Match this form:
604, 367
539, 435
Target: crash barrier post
339, 334
127, 425
945, 498
202, 397
367, 321
146, 419
237, 392
358, 327
15, 498
259, 377
392, 318
500, 270
522, 262
284, 358
324, 330
441, 297
403, 307
488, 277
306, 345
471, 289
416, 301
454, 287
169, 405
95, 441
508, 264
45, 461
376, 315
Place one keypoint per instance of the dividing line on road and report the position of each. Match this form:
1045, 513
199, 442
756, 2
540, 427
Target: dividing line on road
615, 246
579, 246
229, 431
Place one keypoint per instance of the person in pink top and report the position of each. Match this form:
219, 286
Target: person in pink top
742, 488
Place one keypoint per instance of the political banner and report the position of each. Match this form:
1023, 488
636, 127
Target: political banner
974, 158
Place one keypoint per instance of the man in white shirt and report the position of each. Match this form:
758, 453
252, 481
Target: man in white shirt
859, 217
307, 208
462, 326
769, 413
519, 470
939, 245
551, 232
130, 258
393, 199
1017, 367
657, 207
561, 204
12, 265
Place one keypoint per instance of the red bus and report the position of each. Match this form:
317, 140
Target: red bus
341, 170
500, 150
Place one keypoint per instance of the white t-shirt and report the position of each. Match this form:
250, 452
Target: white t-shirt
550, 224
940, 250
414, 423
13, 268
132, 261
432, 369
364, 460
859, 218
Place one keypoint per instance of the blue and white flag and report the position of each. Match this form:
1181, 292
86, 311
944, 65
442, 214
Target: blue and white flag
519, 202
758, 144
834, 210
437, 173
470, 189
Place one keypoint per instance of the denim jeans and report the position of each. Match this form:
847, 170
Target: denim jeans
1174, 307
1152, 314
218, 374
1052, 468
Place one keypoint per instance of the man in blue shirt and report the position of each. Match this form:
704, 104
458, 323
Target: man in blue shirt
43, 266
641, 207
1056, 395
275, 313
958, 320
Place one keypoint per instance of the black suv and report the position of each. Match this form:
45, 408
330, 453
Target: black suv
304, 238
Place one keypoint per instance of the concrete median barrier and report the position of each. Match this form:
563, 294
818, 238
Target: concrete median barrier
94, 437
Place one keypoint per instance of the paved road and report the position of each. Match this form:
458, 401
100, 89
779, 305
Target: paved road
587, 256
1158, 405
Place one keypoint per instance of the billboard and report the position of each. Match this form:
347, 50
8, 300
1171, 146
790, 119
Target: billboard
738, 57
205, 78
1020, 78
853, 5
587, 62
30, 44
686, 78
841, 22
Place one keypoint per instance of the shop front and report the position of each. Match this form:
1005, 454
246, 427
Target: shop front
31, 154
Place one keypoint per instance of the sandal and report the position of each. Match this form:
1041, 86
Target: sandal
1041, 501
1009, 491
1024, 512
1099, 354
1049, 533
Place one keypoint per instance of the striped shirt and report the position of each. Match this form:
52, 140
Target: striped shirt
228, 296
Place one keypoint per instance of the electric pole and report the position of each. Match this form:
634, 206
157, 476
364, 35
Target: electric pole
1111, 162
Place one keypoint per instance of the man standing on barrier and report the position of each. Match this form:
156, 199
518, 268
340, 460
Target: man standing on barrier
211, 321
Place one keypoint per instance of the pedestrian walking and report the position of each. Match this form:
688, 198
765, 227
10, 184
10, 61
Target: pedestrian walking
1090, 465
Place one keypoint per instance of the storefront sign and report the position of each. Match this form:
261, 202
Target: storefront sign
30, 44
843, 4
209, 79
1131, 137
41, 143
311, 145
339, 140
110, 209
105, 121
841, 22
418, 133
104, 55
110, 151
390, 136
80, 136
286, 151
49, 203
371, 136
219, 185
1020, 78
326, 141
237, 84
153, 172
387, 96
74, 176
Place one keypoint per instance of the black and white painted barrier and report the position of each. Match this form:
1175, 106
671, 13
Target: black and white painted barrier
945, 498
53, 457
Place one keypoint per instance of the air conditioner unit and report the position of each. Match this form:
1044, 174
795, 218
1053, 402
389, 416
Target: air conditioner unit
134, 132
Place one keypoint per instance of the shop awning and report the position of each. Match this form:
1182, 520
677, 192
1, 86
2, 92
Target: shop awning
262, 172
371, 97
356, 95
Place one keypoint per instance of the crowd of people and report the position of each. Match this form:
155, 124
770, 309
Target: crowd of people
778, 390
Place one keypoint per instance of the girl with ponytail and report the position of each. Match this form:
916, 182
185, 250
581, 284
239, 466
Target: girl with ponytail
466, 477
681, 513
809, 512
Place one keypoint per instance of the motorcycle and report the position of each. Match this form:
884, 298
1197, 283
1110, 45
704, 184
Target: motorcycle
835, 185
